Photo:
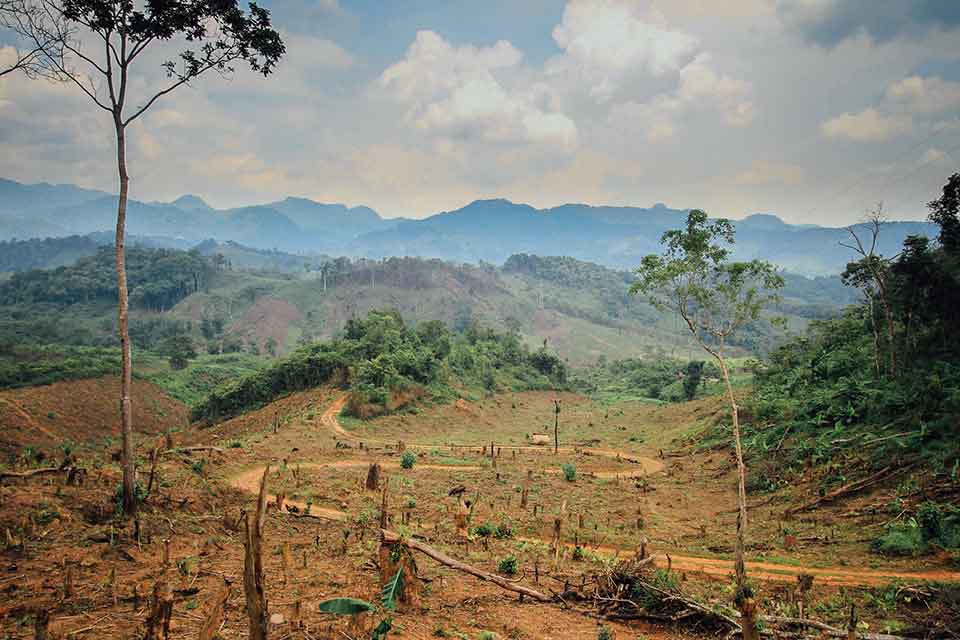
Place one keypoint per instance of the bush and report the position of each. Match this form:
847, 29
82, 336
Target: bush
504, 531
408, 459
934, 525
508, 566
604, 633
484, 530
139, 495
901, 540
569, 471
663, 580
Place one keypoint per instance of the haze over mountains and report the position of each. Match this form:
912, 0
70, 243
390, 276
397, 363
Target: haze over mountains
484, 230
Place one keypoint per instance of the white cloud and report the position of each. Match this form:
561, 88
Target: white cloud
764, 172
701, 88
935, 156
456, 92
867, 126
605, 42
925, 94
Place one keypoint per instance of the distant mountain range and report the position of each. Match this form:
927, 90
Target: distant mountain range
484, 230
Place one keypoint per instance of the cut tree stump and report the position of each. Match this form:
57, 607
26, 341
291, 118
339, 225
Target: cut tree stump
253, 565
373, 477
214, 617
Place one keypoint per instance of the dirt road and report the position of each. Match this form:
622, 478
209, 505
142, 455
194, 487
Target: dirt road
765, 571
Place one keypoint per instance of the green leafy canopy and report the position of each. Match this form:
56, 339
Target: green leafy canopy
694, 278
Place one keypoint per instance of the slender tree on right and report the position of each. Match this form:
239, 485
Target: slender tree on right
715, 297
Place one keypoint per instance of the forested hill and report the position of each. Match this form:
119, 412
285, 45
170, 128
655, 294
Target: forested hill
227, 297
157, 279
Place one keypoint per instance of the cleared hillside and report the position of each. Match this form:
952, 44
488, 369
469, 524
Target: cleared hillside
76, 411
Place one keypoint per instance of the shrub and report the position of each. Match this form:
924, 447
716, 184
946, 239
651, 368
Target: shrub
940, 523
934, 525
662, 580
484, 530
139, 495
504, 531
408, 459
901, 539
569, 471
604, 633
578, 553
508, 566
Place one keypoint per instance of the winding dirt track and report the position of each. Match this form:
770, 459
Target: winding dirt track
249, 481
647, 465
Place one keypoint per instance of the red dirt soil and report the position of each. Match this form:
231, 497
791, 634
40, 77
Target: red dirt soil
81, 410
267, 318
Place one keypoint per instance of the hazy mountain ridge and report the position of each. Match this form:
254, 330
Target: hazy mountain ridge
482, 231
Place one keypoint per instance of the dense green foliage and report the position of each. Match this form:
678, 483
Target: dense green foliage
23, 255
23, 366
933, 525
389, 364
881, 380
634, 378
157, 278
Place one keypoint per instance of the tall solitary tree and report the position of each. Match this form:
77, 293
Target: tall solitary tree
97, 46
715, 297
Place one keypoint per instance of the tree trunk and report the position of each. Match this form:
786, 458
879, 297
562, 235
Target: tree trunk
556, 427
126, 409
888, 315
253, 565
744, 598
876, 335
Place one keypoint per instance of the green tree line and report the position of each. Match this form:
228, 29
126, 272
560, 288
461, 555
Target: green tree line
387, 364
883, 378
158, 279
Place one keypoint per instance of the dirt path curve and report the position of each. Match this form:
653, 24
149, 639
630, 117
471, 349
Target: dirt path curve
249, 481
647, 465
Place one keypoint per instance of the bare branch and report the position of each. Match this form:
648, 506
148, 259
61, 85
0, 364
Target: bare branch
182, 80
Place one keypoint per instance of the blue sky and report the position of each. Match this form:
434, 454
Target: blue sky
815, 110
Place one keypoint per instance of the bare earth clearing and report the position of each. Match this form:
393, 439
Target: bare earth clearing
624, 495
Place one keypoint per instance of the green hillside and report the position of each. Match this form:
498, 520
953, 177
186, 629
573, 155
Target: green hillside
581, 310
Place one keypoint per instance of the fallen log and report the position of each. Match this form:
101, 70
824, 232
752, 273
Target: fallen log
830, 631
190, 450
42, 471
846, 489
392, 537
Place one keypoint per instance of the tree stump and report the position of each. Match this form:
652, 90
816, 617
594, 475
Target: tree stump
394, 557
373, 477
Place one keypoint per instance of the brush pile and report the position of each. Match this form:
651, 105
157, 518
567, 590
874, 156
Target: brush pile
635, 590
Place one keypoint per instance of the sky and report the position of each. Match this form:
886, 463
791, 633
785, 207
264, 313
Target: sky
814, 110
